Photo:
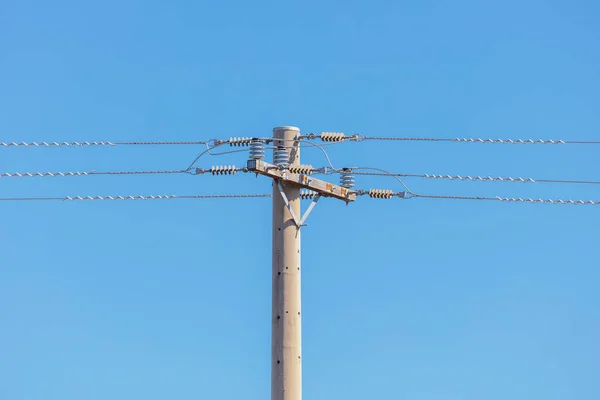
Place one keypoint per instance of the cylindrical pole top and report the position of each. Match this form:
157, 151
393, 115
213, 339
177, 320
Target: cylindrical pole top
286, 128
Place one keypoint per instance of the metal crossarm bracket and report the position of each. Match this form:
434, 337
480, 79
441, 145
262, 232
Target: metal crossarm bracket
287, 203
299, 223
322, 188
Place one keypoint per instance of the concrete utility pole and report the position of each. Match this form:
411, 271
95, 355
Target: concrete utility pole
286, 331
286, 321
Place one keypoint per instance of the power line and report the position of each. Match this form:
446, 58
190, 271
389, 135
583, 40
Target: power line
139, 197
320, 147
479, 178
208, 149
341, 137
510, 199
88, 173
479, 140
388, 174
83, 144
388, 194
214, 170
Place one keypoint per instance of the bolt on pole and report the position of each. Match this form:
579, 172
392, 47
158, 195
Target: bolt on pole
286, 326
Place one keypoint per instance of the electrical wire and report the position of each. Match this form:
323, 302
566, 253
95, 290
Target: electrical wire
480, 140
88, 173
360, 138
386, 194
208, 149
214, 143
387, 173
480, 178
214, 170
320, 147
354, 137
139, 197
82, 144
509, 199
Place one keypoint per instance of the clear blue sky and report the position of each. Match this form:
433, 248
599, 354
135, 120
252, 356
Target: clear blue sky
420, 299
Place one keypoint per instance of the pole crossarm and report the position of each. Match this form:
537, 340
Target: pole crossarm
323, 188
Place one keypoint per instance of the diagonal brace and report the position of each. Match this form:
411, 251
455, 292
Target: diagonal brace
312, 205
299, 223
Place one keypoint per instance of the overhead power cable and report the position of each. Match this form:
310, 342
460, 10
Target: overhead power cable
388, 194
208, 149
139, 197
91, 144
214, 170
332, 137
341, 137
388, 173
87, 173
479, 178
510, 199
480, 140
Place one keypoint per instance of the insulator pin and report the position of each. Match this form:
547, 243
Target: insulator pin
307, 194
257, 149
347, 178
223, 170
381, 193
332, 137
301, 169
281, 157
239, 141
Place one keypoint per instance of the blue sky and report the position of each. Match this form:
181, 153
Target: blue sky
420, 299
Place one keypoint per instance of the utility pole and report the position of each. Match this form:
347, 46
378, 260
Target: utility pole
286, 330
289, 176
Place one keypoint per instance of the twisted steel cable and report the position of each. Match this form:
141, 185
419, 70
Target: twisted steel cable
90, 144
480, 140
138, 197
88, 173
510, 199
480, 178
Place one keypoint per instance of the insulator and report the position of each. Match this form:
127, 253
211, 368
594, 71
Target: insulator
240, 141
346, 179
381, 193
301, 169
332, 137
257, 149
223, 170
307, 194
281, 157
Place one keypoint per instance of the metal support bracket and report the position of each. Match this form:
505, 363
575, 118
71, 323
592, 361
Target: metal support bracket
312, 205
299, 223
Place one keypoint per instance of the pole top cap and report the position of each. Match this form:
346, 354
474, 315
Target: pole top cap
286, 128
